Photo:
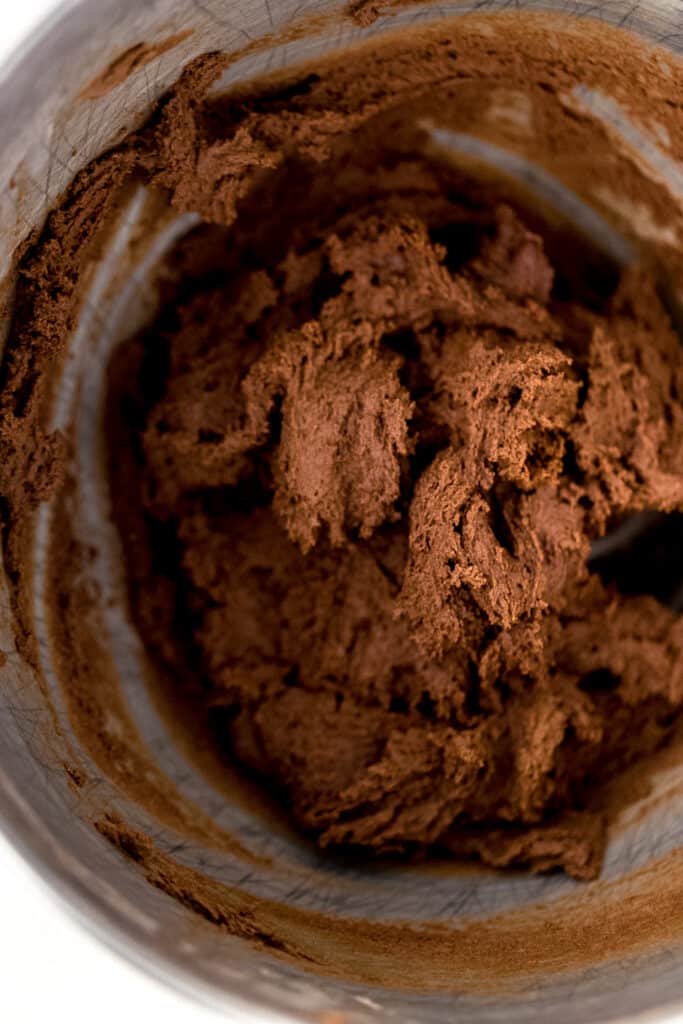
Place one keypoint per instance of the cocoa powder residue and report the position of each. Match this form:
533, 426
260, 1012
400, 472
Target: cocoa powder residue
128, 62
364, 12
489, 956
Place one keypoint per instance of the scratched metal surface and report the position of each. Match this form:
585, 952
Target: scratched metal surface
47, 134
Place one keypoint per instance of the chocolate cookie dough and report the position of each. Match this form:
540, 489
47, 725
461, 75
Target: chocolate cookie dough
384, 516
384, 456
372, 437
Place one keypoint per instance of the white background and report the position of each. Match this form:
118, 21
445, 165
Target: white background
50, 968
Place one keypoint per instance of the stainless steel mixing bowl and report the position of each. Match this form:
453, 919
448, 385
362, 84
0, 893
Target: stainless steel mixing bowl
48, 133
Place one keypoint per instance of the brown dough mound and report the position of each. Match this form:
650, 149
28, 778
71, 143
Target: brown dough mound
385, 513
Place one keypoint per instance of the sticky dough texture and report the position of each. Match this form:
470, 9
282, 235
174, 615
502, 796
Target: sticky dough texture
395, 610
